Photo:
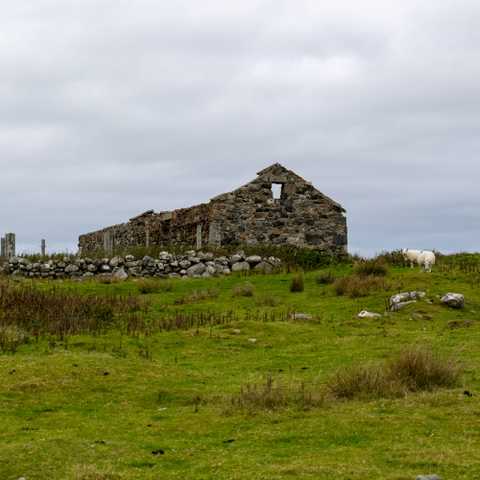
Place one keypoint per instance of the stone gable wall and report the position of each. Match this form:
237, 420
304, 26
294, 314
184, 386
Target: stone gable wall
302, 217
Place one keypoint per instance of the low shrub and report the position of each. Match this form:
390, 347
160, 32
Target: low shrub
149, 285
298, 283
414, 370
421, 369
11, 337
272, 395
197, 296
393, 258
355, 286
325, 278
40, 309
375, 267
363, 382
244, 290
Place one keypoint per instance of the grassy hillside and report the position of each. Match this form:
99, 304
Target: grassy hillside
177, 389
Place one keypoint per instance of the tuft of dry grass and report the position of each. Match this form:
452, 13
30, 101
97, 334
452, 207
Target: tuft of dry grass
374, 267
11, 337
272, 395
244, 290
415, 369
298, 283
148, 285
27, 308
325, 278
197, 296
91, 472
267, 301
421, 369
355, 286
363, 382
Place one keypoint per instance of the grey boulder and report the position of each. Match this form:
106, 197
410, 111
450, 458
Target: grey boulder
453, 300
253, 259
240, 267
119, 274
197, 269
367, 314
403, 299
71, 268
263, 267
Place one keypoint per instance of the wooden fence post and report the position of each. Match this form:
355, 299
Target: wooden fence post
10, 248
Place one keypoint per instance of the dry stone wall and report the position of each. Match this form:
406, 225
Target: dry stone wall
301, 216
167, 265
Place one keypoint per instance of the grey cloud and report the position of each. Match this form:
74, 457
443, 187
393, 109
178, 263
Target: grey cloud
108, 109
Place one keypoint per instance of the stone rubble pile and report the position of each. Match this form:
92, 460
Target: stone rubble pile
167, 265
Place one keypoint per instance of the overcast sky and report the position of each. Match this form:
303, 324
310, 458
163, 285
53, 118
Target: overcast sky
110, 108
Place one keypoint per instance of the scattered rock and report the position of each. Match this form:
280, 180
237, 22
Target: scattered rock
253, 259
453, 300
196, 270
236, 258
71, 269
160, 451
401, 300
301, 316
467, 393
116, 261
120, 274
398, 306
240, 267
252, 340
428, 477
367, 314
263, 267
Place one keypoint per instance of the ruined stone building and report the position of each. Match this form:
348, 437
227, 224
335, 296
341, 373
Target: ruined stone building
278, 207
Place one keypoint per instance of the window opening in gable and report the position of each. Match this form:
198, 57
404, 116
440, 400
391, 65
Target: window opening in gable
277, 190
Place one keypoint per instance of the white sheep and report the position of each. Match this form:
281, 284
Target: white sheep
423, 258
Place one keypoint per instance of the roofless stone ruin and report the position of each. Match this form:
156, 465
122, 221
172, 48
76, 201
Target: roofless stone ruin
277, 208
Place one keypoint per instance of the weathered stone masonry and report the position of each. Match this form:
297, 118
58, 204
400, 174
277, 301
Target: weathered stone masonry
301, 216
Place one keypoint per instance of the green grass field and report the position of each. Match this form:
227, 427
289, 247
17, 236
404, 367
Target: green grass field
159, 405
